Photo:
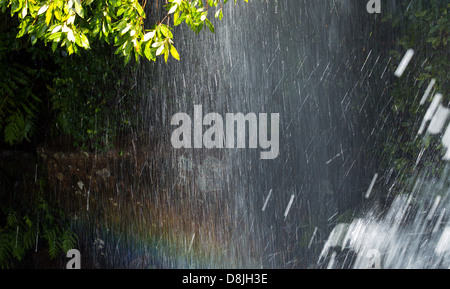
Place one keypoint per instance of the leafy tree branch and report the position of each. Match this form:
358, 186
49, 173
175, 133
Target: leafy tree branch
74, 24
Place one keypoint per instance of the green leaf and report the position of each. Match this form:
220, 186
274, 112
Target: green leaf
148, 36
49, 15
42, 9
219, 14
79, 9
174, 52
70, 36
157, 44
210, 25
160, 50
173, 9
203, 16
166, 31
33, 39
147, 52
28, 221
166, 53
24, 10
84, 41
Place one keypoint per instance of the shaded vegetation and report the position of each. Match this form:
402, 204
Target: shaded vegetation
424, 26
65, 71
30, 222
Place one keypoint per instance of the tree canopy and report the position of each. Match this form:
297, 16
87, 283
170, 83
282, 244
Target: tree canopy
40, 88
73, 24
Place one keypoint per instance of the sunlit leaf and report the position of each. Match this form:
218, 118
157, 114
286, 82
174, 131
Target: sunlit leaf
174, 52
43, 9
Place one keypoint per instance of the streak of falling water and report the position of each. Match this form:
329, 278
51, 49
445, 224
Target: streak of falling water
317, 63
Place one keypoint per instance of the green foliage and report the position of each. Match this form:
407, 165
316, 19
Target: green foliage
18, 101
22, 231
74, 24
90, 97
79, 93
16, 239
425, 28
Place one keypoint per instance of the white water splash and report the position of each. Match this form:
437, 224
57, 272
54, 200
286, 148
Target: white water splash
414, 233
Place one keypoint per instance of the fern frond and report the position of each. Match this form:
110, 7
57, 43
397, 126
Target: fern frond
5, 252
68, 240
51, 237
11, 219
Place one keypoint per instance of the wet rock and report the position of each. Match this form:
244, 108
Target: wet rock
104, 173
60, 177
